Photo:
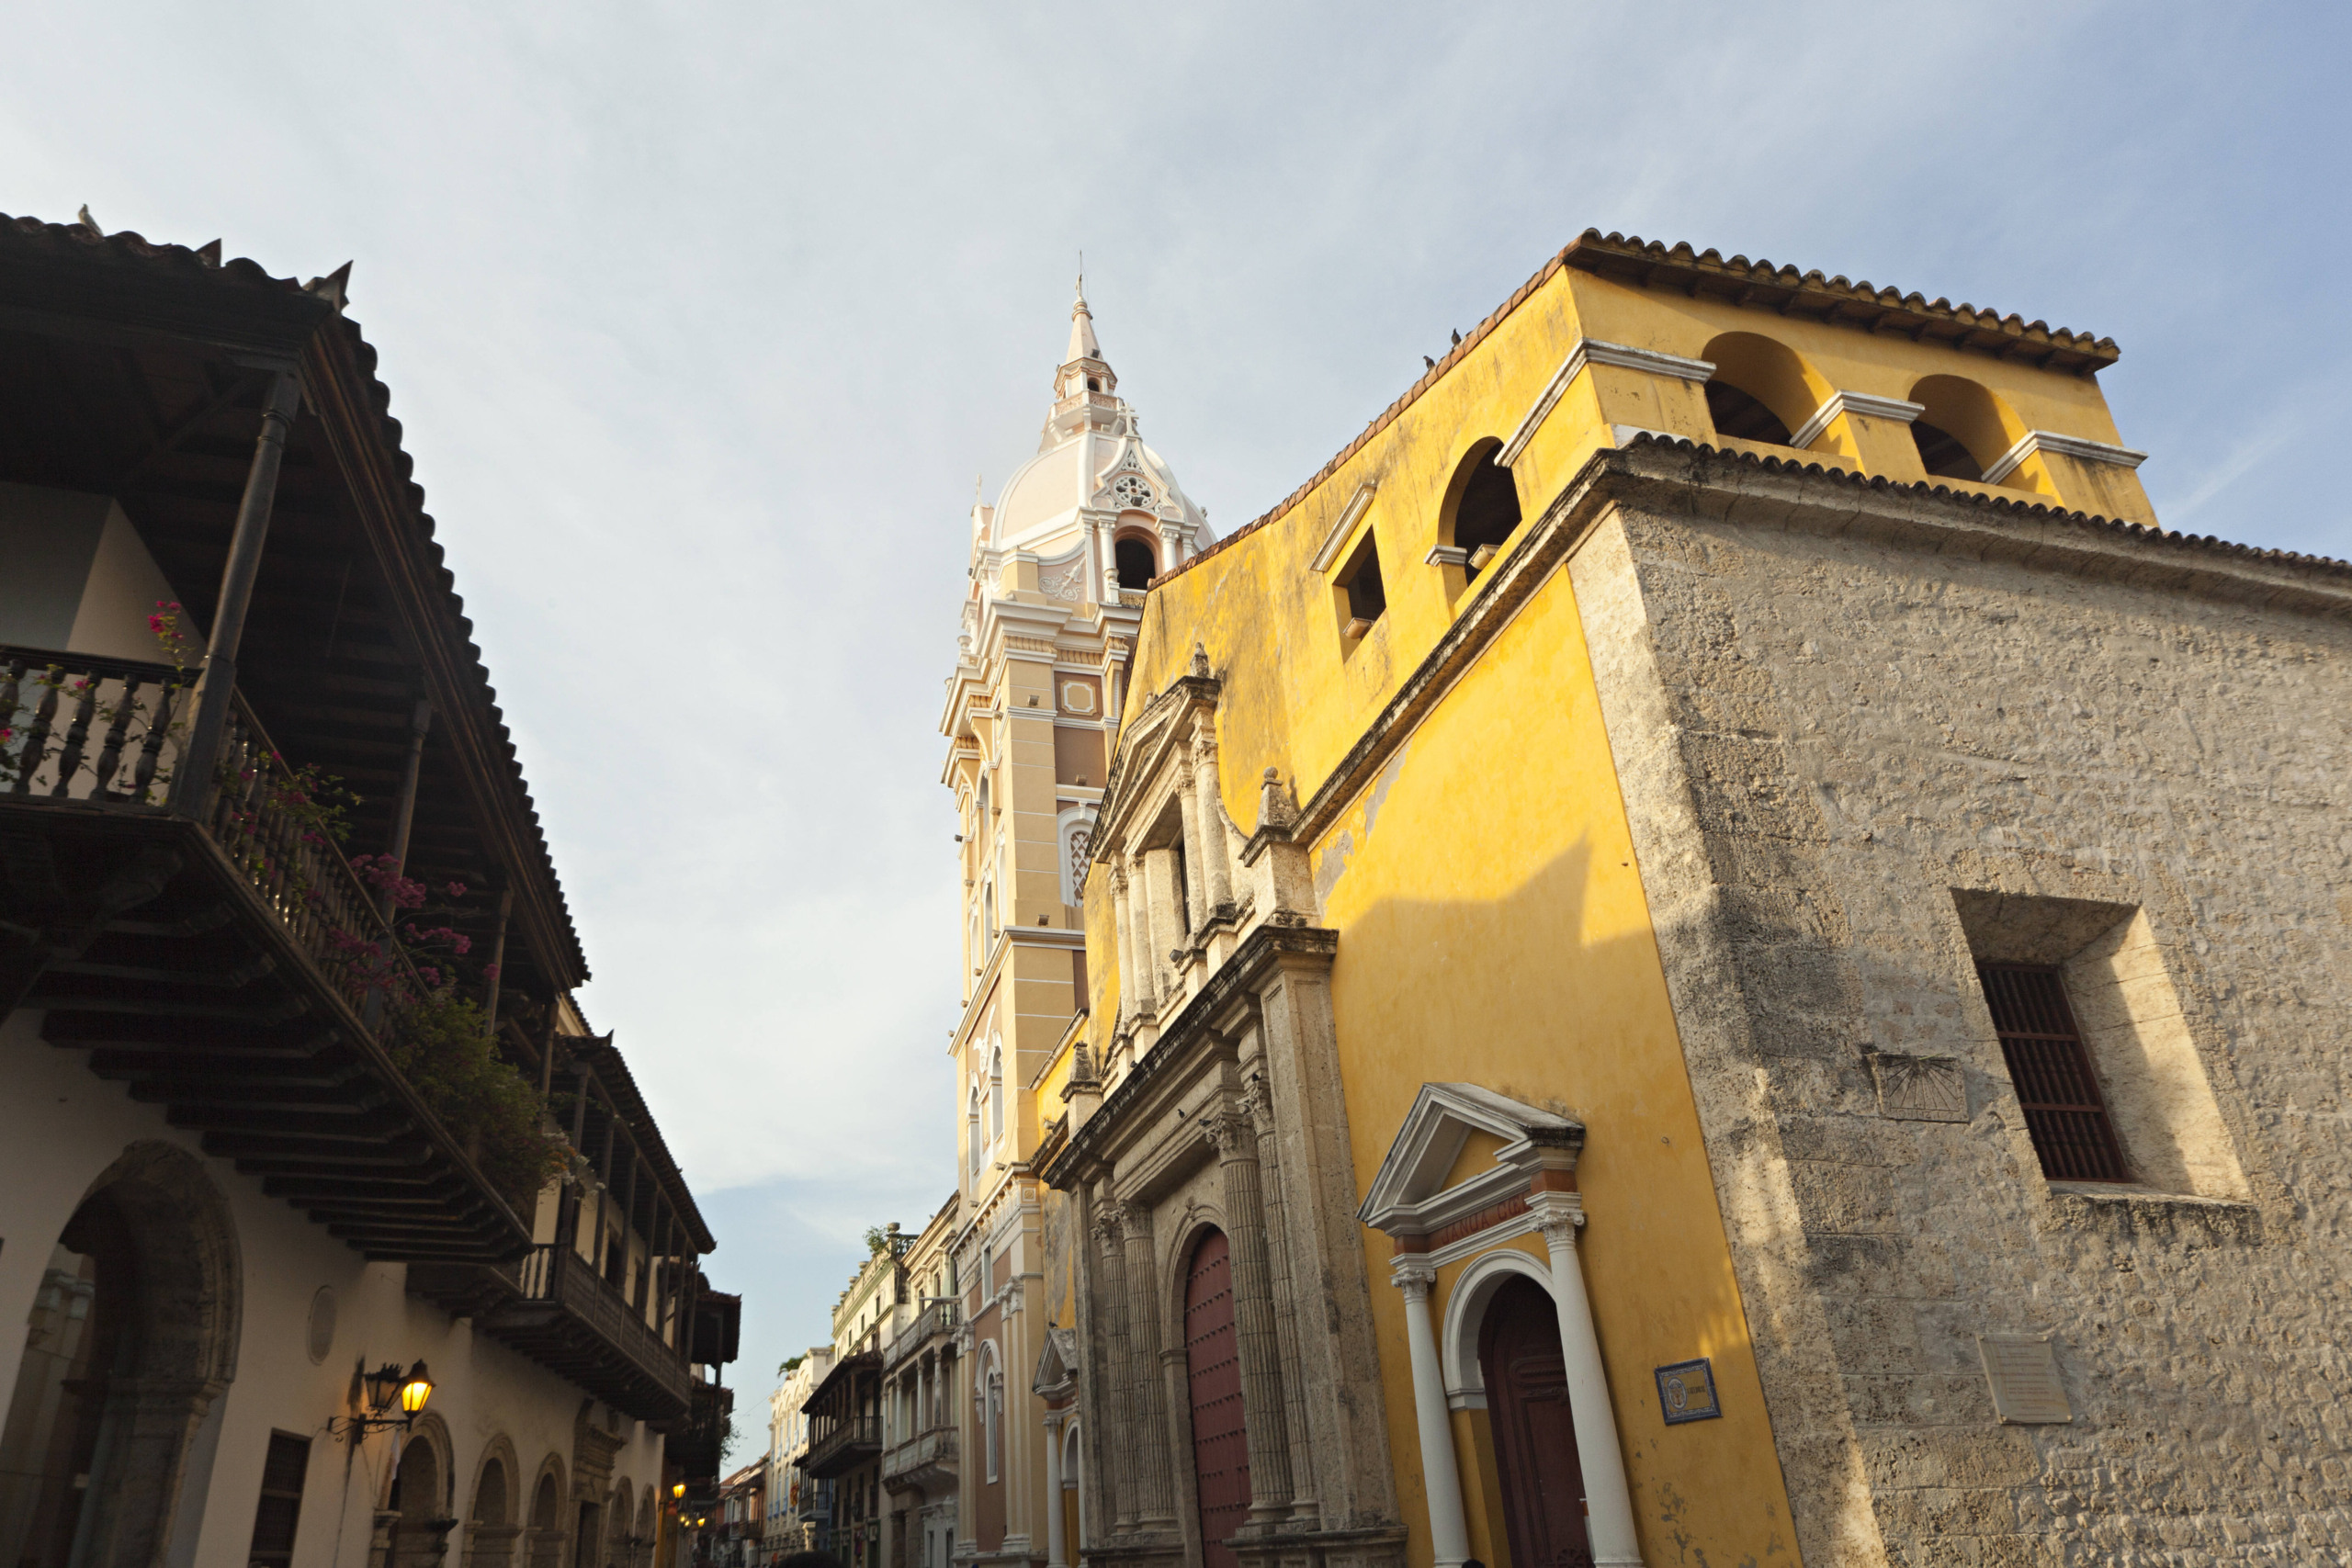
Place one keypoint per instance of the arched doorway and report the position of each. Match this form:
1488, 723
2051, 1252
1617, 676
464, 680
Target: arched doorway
547, 1521
1213, 1372
1535, 1443
132, 1338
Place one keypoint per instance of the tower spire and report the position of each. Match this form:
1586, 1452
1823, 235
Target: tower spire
1081, 330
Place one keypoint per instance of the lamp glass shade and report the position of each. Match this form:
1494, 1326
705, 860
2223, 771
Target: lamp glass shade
679, 1490
382, 1384
415, 1389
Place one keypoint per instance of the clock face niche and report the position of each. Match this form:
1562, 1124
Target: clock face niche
1132, 490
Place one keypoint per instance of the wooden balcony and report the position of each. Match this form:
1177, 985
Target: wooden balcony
848, 1444
211, 950
554, 1307
926, 1461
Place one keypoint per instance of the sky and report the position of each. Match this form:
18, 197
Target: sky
702, 321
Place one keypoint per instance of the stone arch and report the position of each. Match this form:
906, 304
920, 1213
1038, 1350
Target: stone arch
550, 1494
152, 1250
1761, 388
1466, 1313
495, 1518
1964, 430
1176, 1259
1134, 555
619, 1539
419, 1486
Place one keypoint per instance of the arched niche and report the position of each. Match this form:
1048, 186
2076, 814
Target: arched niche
1466, 1314
417, 1490
132, 1337
1964, 429
1761, 390
493, 1518
1481, 508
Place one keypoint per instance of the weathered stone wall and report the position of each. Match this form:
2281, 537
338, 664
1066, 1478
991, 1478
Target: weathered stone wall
1834, 705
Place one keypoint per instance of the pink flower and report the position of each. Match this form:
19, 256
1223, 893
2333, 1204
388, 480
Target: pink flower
490, 971
456, 890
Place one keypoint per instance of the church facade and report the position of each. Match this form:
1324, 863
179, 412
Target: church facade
1710, 946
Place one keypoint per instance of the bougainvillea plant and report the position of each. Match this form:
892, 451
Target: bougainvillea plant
19, 758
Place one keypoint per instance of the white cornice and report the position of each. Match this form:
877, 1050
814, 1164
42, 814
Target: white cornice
1349, 514
1864, 404
1592, 351
2065, 446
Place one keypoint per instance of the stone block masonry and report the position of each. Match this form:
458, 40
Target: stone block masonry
1840, 712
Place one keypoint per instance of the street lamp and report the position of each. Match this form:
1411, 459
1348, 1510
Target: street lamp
384, 1388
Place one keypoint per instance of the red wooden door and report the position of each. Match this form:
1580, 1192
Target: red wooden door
1535, 1443
1213, 1369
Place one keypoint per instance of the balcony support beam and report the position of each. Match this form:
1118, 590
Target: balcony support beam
192, 780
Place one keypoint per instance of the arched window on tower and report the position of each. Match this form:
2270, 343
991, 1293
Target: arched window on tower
1761, 391
1138, 562
972, 1127
1481, 508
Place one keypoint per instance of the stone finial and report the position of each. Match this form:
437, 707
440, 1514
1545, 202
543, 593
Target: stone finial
1200, 661
1276, 808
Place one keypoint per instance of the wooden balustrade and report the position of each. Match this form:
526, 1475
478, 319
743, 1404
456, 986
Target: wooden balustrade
85, 728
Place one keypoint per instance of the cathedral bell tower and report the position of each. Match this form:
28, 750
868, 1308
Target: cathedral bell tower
1059, 566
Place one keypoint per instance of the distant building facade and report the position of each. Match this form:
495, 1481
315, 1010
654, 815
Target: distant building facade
797, 1505
921, 1367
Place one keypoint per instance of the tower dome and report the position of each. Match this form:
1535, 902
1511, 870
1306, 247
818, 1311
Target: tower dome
1093, 471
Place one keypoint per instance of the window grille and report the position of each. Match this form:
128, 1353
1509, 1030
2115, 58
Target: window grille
2065, 1112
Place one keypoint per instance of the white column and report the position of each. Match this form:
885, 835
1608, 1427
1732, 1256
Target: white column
1441, 1476
1056, 1546
1609, 1502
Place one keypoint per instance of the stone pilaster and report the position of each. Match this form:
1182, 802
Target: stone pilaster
1304, 1513
1265, 1424
1194, 888
1215, 852
1155, 1506
1133, 916
1110, 1300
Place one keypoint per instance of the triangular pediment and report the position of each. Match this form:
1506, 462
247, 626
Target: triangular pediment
1057, 1376
1417, 1187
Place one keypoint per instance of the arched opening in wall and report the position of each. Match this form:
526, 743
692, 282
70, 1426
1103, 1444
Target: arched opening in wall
972, 1127
996, 1093
1761, 391
1213, 1377
132, 1331
1963, 430
1138, 561
1481, 508
620, 1541
1535, 1442
421, 1537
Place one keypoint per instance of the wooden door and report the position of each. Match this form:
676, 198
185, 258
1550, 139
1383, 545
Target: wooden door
1535, 1442
1212, 1370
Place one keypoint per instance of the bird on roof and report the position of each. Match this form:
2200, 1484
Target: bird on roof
1427, 361
91, 223
1457, 337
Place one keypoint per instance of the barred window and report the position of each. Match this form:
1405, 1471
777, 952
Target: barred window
2065, 1112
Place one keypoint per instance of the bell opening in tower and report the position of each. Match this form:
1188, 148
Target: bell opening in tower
1137, 565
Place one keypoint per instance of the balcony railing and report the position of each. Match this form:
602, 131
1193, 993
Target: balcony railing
844, 1445
926, 1460
938, 1318
89, 729
603, 1343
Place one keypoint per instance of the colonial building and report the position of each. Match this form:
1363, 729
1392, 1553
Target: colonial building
919, 1400
1058, 566
333, 1227
845, 1410
798, 1504
1709, 946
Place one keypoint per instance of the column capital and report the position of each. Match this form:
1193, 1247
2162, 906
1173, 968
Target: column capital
1135, 1219
1228, 1131
1557, 1215
1054, 1419
1414, 1274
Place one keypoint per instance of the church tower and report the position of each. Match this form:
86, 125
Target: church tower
1060, 565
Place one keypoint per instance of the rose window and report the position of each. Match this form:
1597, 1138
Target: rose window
1132, 490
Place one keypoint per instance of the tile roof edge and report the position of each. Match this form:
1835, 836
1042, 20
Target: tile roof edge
2021, 506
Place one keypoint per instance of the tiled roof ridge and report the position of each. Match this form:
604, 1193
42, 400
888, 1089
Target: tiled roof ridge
1592, 246
2018, 507
243, 272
